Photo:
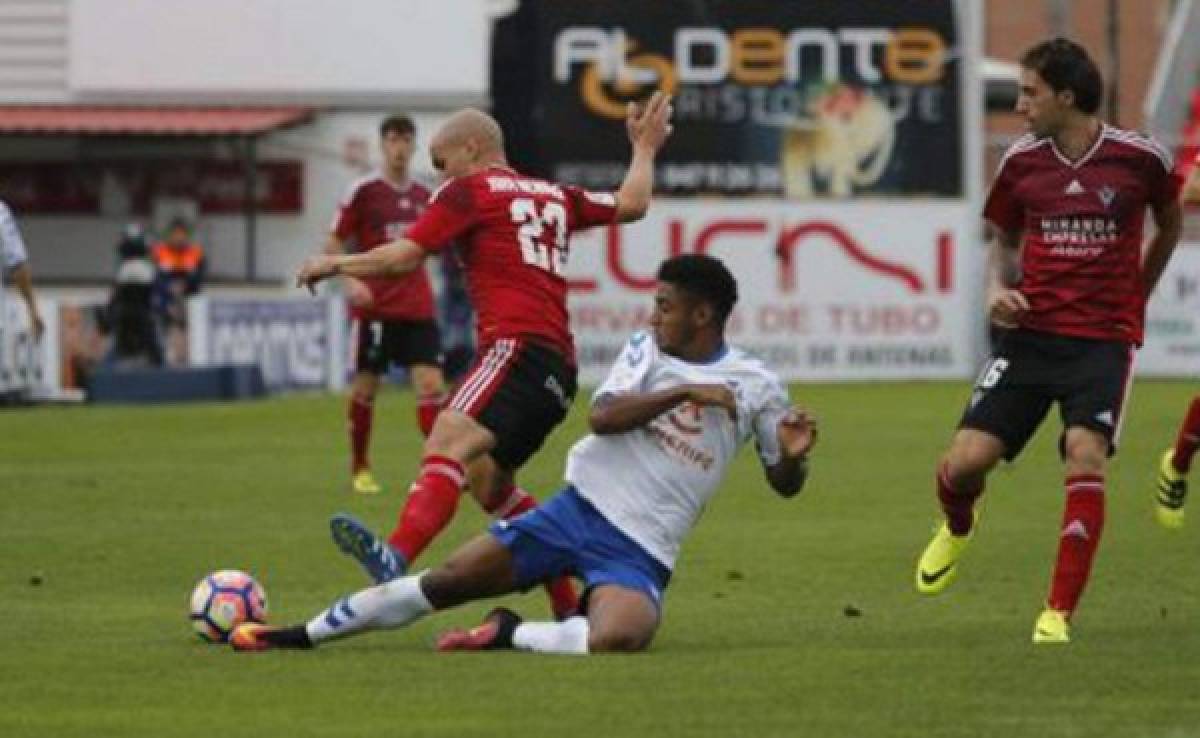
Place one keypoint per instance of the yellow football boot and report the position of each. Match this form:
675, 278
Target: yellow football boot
939, 560
1171, 492
1052, 626
364, 483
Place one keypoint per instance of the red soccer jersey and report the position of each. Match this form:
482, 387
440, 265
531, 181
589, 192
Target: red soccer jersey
513, 236
376, 212
1082, 223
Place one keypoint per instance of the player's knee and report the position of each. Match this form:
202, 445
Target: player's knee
1085, 452
618, 641
969, 460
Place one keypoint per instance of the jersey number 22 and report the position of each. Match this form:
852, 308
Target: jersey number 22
543, 235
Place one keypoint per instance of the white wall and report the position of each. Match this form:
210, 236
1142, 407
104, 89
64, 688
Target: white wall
272, 50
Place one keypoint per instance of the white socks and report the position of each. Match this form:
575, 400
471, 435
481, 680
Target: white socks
568, 637
390, 605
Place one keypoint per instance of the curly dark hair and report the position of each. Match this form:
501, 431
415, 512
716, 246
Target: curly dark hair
704, 278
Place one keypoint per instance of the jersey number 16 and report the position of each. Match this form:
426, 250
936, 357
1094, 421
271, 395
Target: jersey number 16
543, 235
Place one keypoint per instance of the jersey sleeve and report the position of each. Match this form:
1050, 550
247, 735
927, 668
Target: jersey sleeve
1002, 207
772, 404
451, 212
591, 208
1165, 179
629, 371
345, 221
12, 246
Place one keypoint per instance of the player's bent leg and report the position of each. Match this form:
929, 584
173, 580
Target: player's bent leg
481, 568
459, 436
456, 441
494, 488
960, 481
1173, 467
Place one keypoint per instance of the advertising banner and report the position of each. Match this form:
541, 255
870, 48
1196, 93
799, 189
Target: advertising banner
130, 186
827, 292
771, 97
1172, 347
299, 343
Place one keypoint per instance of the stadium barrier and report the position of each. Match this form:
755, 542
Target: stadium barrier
149, 385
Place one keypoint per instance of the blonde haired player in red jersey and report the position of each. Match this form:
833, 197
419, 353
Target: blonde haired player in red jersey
512, 234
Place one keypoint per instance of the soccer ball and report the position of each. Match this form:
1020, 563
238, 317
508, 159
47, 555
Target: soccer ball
224, 600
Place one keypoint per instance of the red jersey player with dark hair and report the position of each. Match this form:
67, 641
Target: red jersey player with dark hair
1176, 462
392, 319
512, 233
1068, 203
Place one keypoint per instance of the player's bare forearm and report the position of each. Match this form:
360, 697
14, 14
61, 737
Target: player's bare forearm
619, 413
648, 126
633, 197
1169, 222
788, 476
389, 260
622, 413
1003, 265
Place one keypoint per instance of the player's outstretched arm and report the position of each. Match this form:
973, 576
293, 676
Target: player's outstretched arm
648, 126
619, 413
797, 435
390, 260
1168, 221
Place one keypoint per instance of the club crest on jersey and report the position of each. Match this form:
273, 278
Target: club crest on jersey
1106, 195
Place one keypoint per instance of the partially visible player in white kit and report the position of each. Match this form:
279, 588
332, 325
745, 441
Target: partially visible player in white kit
14, 261
671, 416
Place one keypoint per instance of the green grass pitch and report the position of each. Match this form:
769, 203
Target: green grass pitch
121, 510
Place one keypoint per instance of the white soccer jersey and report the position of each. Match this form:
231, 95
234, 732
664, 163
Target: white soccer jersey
12, 248
653, 482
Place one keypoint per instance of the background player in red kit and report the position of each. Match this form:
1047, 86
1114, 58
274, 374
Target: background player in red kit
1069, 200
512, 233
393, 319
1176, 462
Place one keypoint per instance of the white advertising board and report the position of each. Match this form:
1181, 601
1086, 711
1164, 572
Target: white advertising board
1172, 347
266, 50
828, 291
299, 343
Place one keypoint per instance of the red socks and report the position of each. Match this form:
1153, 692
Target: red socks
509, 504
431, 503
1188, 440
428, 407
957, 503
360, 413
1083, 522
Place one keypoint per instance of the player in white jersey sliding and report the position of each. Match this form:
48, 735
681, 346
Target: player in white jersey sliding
667, 422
